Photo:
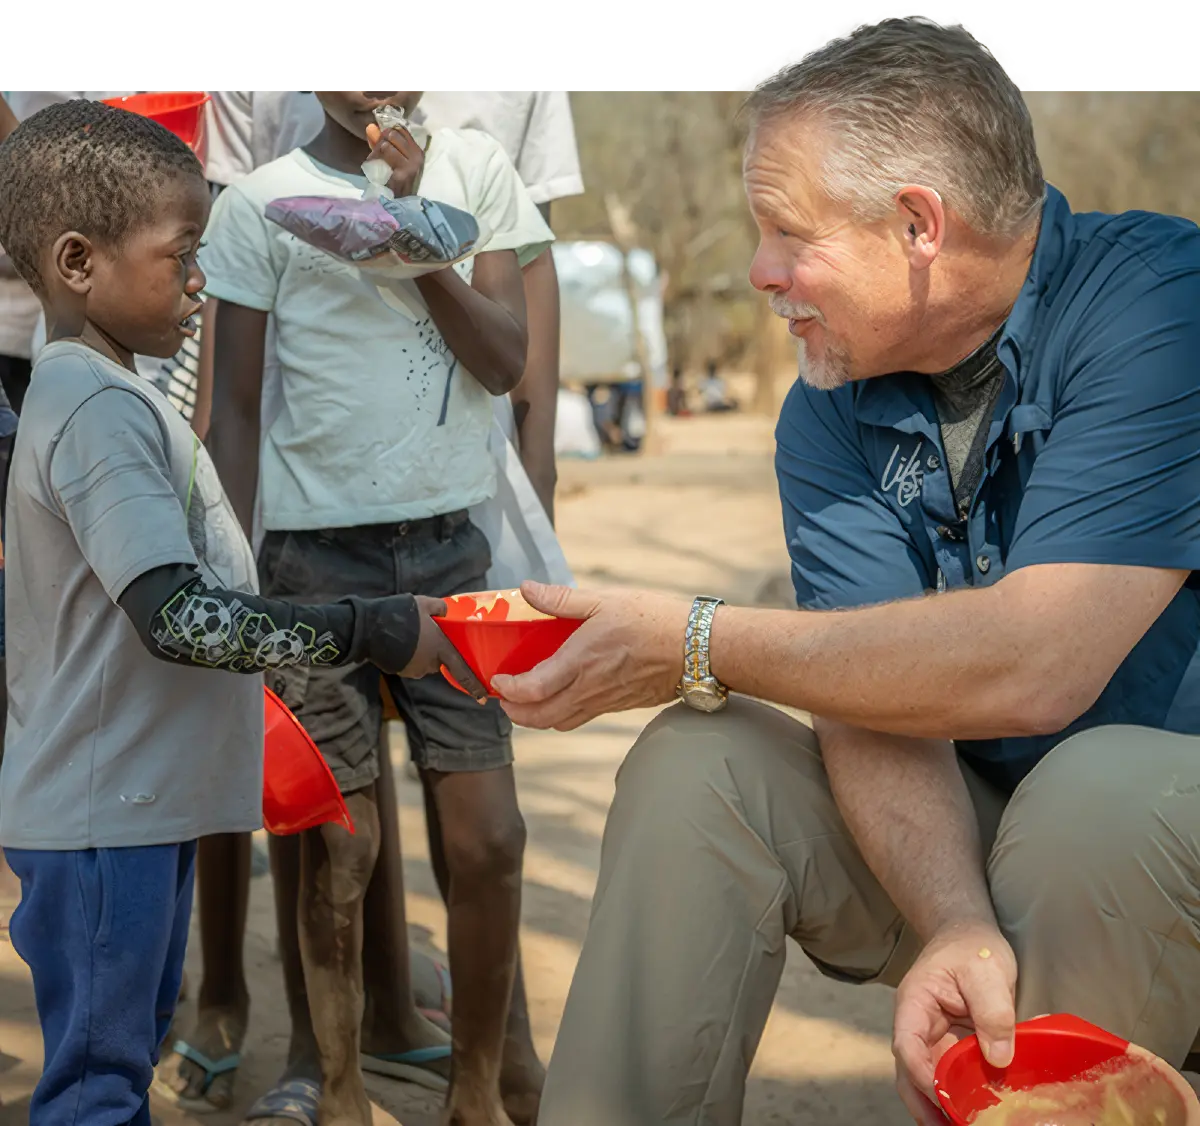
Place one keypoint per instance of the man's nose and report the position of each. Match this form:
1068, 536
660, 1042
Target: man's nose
768, 273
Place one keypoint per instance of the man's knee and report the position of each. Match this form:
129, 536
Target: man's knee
684, 757
1106, 825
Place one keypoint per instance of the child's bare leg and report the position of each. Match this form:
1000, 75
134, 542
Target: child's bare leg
223, 1005
522, 1075
482, 839
335, 868
392, 1023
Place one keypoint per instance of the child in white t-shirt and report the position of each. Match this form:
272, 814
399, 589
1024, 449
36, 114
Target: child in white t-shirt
373, 445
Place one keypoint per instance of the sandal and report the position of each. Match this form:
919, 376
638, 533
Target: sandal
297, 1099
211, 1069
410, 1067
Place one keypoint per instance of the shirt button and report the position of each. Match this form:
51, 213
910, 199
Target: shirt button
933, 462
983, 563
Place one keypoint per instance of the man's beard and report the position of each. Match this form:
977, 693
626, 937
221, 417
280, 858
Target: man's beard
832, 370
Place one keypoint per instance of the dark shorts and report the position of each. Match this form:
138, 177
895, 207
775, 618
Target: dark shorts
341, 708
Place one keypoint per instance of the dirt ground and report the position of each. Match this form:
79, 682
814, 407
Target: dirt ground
702, 515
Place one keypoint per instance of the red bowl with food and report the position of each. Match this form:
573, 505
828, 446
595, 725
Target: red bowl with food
1064, 1071
182, 113
299, 790
497, 631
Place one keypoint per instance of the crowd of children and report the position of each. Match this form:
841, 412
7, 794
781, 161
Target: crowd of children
347, 419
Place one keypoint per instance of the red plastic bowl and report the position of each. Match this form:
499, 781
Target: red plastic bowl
181, 113
299, 791
499, 632
1050, 1049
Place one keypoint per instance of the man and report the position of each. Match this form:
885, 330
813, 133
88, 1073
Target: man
990, 473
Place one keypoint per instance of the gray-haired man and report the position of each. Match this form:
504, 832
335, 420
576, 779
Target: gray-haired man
990, 474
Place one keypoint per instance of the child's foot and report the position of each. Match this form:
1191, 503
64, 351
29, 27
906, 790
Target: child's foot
199, 1072
522, 1078
419, 1054
465, 1112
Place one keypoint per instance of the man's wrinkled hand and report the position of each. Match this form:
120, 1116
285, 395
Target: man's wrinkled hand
627, 654
964, 982
405, 157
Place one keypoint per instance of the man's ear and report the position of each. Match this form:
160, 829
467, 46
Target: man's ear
71, 261
921, 219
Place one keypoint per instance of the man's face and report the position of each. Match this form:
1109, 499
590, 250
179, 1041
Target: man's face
354, 110
844, 285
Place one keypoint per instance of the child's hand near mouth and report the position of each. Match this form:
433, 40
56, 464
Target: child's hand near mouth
403, 155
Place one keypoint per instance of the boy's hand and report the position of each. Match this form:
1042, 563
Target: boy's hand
406, 157
389, 628
434, 650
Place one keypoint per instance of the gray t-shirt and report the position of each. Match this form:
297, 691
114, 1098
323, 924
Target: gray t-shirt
108, 746
965, 397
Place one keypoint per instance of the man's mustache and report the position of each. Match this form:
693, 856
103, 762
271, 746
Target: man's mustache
782, 307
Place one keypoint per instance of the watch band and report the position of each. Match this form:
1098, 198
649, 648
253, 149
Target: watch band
696, 664
699, 688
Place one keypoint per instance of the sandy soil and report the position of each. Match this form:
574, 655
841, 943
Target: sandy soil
701, 516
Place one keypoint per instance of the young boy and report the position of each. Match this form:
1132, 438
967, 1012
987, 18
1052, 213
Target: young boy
373, 445
127, 575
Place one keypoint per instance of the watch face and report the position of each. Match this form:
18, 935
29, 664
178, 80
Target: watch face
704, 697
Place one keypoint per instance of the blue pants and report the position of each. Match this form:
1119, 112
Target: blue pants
104, 931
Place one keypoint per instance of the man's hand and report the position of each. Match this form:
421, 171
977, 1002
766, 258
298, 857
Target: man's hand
402, 153
964, 982
627, 654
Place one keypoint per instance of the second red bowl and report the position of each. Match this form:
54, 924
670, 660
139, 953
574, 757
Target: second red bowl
1051, 1049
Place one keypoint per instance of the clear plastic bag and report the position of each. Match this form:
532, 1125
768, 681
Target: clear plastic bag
394, 238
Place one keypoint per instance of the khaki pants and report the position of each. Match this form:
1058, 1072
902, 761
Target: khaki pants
724, 840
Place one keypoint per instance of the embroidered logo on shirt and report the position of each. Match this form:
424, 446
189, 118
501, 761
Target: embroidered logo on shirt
904, 474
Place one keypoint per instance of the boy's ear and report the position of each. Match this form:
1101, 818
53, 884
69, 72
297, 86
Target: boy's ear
72, 262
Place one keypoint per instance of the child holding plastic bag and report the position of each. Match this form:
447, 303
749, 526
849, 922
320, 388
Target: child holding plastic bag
374, 443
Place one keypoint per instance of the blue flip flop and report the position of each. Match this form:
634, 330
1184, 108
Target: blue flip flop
212, 1068
297, 1099
409, 1066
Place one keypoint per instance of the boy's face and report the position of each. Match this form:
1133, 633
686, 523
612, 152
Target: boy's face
140, 295
354, 110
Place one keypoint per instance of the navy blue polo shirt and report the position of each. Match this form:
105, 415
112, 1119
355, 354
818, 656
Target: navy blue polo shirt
1093, 456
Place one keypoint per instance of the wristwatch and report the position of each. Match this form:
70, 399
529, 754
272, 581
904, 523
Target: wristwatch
699, 689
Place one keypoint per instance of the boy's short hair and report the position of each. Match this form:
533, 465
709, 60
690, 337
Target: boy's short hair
82, 166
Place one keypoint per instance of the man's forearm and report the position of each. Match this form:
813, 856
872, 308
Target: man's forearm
908, 809
535, 399
488, 339
970, 664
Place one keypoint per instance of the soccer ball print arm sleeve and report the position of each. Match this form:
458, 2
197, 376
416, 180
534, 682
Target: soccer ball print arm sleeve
179, 617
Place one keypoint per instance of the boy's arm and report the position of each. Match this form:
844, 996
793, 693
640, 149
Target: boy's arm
535, 398
483, 323
181, 618
233, 435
